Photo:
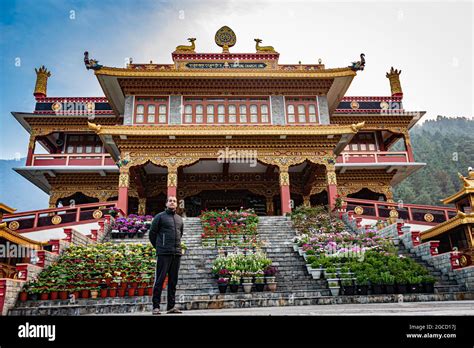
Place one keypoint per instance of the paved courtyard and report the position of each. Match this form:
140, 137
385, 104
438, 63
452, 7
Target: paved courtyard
406, 308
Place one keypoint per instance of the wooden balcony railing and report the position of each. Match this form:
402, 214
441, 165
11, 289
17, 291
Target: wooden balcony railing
58, 217
373, 157
87, 159
410, 213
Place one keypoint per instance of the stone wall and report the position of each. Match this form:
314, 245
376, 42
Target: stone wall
9, 290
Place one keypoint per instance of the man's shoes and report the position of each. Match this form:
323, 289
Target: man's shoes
174, 310
156, 311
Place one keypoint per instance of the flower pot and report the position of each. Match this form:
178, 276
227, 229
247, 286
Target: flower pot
246, 280
269, 279
378, 289
141, 292
247, 287
76, 294
103, 293
131, 292
53, 295
401, 288
272, 286
413, 288
348, 290
259, 287
389, 288
234, 287
334, 291
316, 273
149, 291
222, 288
428, 288
85, 294
362, 289
44, 296
23, 296
112, 292
94, 294
133, 285
121, 292
33, 297
123, 285
63, 295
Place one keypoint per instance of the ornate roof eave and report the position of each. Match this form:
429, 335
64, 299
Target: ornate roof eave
17, 238
467, 189
226, 73
6, 209
460, 219
221, 130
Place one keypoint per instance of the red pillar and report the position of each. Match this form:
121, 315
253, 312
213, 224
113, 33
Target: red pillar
411, 157
332, 195
31, 150
124, 183
332, 184
172, 181
285, 196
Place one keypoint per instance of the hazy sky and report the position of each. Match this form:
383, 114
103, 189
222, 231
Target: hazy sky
430, 41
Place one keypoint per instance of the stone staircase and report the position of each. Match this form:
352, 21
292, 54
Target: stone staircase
444, 283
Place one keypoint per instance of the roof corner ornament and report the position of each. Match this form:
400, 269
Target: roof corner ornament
41, 86
188, 49
91, 63
264, 49
357, 127
94, 127
395, 86
360, 65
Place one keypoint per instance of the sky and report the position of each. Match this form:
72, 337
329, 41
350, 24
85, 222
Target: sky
430, 41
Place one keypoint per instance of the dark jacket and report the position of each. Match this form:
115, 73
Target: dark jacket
165, 233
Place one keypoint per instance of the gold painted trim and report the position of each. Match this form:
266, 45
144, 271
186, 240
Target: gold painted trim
226, 130
460, 219
17, 238
6, 209
458, 195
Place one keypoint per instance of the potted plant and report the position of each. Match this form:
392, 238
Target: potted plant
247, 287
270, 273
247, 277
222, 284
131, 291
347, 286
414, 284
234, 283
53, 294
334, 287
389, 281
428, 283
85, 293
401, 281
259, 281
377, 284
362, 282
63, 294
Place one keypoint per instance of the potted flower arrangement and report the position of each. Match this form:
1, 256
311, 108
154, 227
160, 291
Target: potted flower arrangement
259, 281
270, 274
222, 284
334, 287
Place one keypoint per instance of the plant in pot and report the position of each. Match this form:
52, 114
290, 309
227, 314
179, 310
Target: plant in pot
95, 292
222, 284
259, 281
389, 281
53, 293
401, 281
270, 274
428, 283
414, 284
377, 283
347, 284
334, 287
247, 277
362, 287
234, 283
331, 273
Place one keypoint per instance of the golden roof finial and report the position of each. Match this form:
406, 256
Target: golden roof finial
41, 86
394, 77
187, 49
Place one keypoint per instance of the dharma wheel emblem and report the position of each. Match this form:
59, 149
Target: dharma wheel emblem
428, 217
56, 107
56, 220
354, 105
97, 214
14, 225
225, 38
359, 210
393, 213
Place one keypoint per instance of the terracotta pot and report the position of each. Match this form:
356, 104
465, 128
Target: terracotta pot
133, 284
121, 292
149, 291
63, 295
272, 286
23, 296
77, 294
94, 293
53, 295
123, 285
112, 292
85, 294
140, 291
103, 293
131, 292
44, 296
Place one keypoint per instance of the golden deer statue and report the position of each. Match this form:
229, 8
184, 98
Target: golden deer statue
187, 48
263, 48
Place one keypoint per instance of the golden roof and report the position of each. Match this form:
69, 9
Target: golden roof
467, 189
460, 219
6, 209
17, 238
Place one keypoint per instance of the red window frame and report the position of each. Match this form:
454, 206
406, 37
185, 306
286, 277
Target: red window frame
83, 141
306, 102
226, 101
361, 143
156, 101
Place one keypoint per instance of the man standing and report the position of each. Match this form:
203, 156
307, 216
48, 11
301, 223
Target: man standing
165, 234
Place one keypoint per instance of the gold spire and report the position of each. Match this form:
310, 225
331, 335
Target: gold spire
395, 86
42, 75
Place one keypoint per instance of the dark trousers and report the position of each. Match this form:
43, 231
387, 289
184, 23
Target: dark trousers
166, 265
